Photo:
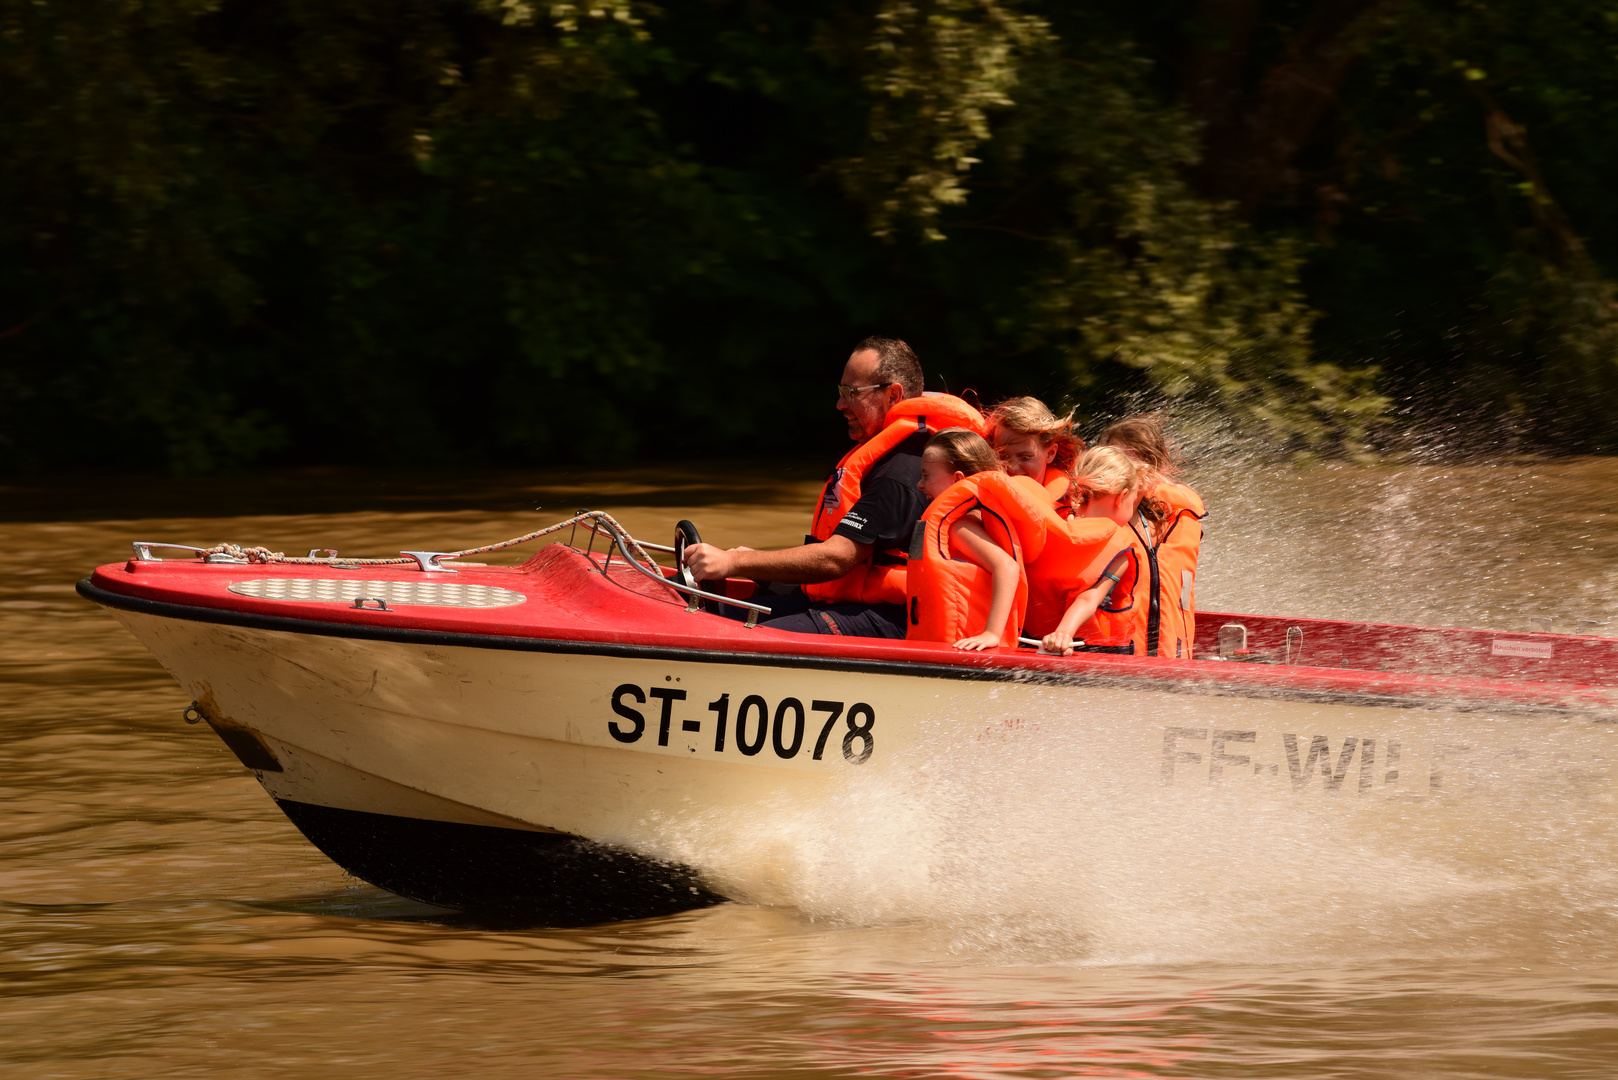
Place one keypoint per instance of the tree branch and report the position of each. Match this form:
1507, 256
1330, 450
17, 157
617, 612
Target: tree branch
30, 321
1255, 151
1508, 141
1214, 75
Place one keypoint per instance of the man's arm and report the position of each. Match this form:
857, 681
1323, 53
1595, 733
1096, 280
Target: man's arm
791, 566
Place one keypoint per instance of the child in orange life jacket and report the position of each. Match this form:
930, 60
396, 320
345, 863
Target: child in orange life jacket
949, 457
1108, 485
1176, 540
1144, 442
1032, 441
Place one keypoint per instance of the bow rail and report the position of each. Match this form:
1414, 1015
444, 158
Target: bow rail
596, 522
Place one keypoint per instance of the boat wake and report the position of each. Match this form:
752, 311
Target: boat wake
1031, 842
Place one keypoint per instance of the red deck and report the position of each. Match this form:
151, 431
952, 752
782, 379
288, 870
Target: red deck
568, 599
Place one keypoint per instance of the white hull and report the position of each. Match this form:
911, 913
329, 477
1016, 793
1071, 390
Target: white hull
523, 740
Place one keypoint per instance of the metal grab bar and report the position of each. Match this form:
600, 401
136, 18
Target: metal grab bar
617, 537
1039, 644
143, 552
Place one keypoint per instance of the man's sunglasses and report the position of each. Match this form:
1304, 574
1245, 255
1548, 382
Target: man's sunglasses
849, 393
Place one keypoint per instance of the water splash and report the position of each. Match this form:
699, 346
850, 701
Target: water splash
1040, 843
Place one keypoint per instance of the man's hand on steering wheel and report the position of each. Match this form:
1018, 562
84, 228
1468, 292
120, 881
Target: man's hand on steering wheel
708, 563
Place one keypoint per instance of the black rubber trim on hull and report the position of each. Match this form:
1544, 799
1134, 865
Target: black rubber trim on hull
516, 876
1116, 680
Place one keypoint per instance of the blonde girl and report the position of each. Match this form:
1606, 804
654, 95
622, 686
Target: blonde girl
1108, 485
949, 457
1176, 535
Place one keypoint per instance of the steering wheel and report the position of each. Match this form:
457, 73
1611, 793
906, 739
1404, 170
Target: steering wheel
686, 534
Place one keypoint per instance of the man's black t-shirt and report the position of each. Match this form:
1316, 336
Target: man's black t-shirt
890, 503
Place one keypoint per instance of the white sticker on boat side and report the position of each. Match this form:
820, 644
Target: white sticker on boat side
1536, 650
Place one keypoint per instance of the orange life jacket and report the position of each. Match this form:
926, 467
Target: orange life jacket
1076, 552
881, 578
1060, 487
1119, 622
1174, 566
950, 596
1163, 600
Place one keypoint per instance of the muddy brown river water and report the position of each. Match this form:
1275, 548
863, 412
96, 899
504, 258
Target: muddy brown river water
159, 917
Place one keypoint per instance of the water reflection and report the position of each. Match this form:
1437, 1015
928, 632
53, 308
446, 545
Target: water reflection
159, 917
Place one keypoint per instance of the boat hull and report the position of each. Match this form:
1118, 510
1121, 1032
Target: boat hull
521, 874
579, 783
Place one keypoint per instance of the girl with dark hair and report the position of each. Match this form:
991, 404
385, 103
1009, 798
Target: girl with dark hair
965, 578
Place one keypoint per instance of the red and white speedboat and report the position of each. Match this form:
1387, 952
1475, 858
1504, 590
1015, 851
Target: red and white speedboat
528, 738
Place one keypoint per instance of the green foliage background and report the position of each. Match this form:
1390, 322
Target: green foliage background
471, 230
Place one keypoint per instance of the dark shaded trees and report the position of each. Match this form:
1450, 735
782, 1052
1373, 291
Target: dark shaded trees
1364, 161
1449, 243
462, 230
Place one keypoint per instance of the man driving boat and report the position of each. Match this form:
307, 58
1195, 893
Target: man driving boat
850, 573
